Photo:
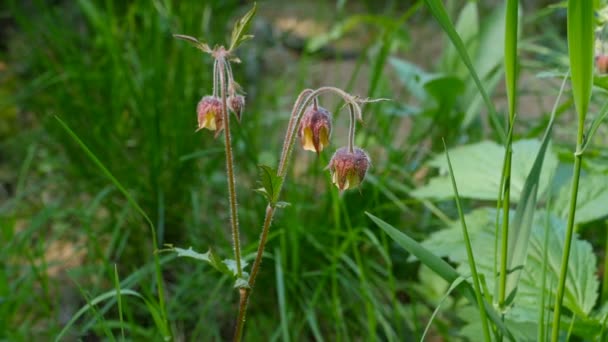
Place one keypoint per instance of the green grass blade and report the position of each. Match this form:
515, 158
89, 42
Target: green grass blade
438, 10
107, 173
439, 266
119, 299
603, 113
281, 294
580, 50
454, 284
511, 35
89, 306
131, 201
524, 213
470, 254
581, 42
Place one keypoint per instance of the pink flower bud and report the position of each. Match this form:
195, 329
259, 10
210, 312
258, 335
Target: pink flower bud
236, 103
209, 110
348, 169
315, 129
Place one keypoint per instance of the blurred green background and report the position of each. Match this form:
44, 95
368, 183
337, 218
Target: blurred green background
111, 70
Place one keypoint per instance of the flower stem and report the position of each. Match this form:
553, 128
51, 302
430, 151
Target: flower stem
578, 157
234, 220
351, 129
304, 100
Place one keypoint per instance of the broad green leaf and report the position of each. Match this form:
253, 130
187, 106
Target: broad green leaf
582, 283
240, 27
592, 201
581, 40
439, 266
475, 168
271, 184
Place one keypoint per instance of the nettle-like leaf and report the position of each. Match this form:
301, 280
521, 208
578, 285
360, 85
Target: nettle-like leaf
581, 286
592, 198
271, 185
226, 266
475, 168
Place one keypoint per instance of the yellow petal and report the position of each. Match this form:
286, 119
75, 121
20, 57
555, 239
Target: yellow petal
307, 143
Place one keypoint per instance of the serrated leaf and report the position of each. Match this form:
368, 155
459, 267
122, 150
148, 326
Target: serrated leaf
475, 168
231, 265
581, 285
431, 259
226, 266
271, 184
240, 27
592, 200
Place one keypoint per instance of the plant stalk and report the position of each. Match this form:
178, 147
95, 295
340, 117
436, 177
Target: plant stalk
234, 220
506, 203
578, 157
305, 98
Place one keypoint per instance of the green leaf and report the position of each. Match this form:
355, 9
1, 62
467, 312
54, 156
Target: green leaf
521, 226
92, 303
439, 266
475, 171
582, 284
510, 51
226, 266
271, 184
596, 124
470, 253
581, 40
282, 204
467, 27
240, 27
438, 10
591, 201
195, 42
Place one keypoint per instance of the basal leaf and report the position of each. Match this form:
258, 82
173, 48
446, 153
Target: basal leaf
592, 202
581, 285
475, 170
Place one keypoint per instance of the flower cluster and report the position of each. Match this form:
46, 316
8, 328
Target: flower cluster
348, 165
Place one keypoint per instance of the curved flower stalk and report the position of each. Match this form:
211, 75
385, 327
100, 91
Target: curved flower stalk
348, 167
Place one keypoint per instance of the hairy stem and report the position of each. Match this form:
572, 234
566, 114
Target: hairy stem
305, 98
351, 129
578, 158
234, 220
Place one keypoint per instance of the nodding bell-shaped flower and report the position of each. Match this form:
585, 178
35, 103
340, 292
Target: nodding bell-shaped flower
236, 103
315, 129
348, 169
209, 110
